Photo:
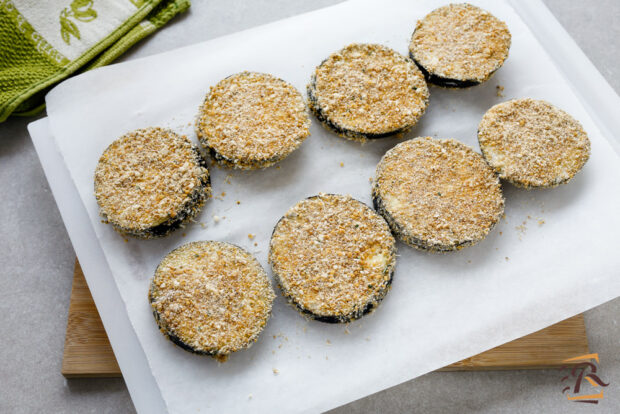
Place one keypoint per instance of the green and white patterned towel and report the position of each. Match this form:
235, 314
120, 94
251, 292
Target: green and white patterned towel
43, 42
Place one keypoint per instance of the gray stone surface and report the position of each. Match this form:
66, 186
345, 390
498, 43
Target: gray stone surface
36, 259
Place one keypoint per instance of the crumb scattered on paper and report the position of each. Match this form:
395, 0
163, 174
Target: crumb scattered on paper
275, 371
499, 89
522, 228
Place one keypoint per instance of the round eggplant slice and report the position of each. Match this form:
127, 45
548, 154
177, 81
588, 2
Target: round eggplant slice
459, 45
367, 91
437, 194
211, 298
252, 120
333, 257
150, 182
533, 144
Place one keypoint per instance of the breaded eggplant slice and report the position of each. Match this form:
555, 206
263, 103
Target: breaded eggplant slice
333, 257
150, 182
367, 91
533, 144
459, 45
437, 194
211, 298
252, 120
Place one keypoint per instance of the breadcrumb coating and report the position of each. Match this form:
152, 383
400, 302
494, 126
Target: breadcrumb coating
437, 194
333, 257
150, 179
368, 91
531, 143
460, 42
211, 298
252, 120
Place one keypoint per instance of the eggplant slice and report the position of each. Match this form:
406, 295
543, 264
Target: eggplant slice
150, 182
533, 144
459, 45
367, 91
333, 257
252, 120
437, 194
211, 298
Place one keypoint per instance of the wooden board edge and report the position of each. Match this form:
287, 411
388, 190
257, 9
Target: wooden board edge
86, 355
91, 356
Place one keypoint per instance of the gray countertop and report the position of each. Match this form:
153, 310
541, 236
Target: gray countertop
37, 260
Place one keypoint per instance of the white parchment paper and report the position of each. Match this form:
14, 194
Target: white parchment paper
554, 255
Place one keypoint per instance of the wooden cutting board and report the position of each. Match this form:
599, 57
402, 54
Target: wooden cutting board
88, 352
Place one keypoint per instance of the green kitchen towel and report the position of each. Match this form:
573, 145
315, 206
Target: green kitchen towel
43, 42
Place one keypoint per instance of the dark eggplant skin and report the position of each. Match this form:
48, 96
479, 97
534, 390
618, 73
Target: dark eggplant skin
175, 339
339, 130
369, 307
244, 164
445, 82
